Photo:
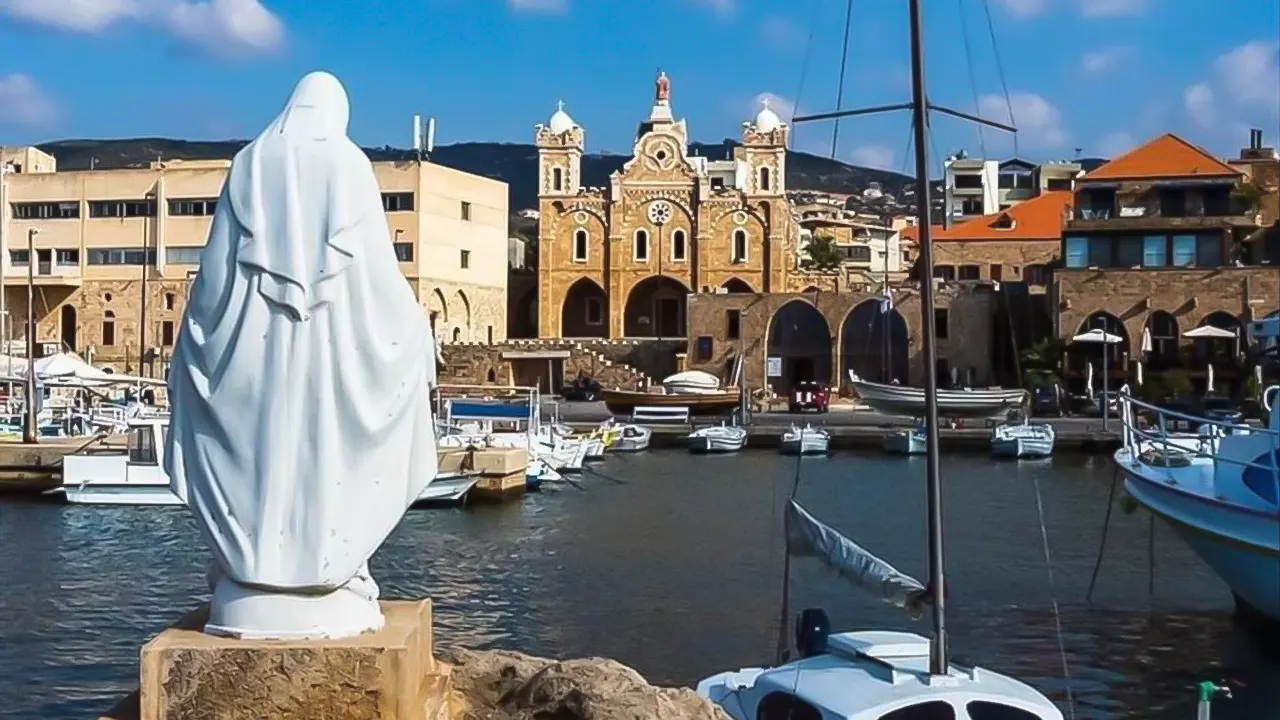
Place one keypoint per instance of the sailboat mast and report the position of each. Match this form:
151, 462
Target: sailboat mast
920, 119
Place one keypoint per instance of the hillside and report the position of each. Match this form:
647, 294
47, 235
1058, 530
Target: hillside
515, 164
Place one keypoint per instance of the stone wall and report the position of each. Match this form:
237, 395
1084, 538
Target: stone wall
608, 362
1012, 257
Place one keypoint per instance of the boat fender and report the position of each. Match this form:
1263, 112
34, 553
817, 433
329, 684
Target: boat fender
813, 627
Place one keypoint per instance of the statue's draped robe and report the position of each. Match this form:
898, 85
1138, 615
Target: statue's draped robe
301, 424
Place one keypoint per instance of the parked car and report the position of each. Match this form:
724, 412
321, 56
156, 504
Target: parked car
809, 395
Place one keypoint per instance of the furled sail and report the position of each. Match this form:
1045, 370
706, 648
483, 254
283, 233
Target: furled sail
807, 536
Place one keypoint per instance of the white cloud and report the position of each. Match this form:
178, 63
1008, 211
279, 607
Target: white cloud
1038, 121
873, 156
1250, 74
785, 107
23, 103
218, 26
1115, 144
1104, 59
540, 6
1199, 101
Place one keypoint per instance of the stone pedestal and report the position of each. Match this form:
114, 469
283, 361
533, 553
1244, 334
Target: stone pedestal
388, 675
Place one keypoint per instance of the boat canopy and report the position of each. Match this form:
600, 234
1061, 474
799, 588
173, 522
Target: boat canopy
486, 410
807, 536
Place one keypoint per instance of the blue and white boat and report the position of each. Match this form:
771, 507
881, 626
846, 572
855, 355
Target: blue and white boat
1219, 489
907, 442
1018, 440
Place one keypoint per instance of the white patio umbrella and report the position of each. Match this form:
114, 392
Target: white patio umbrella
1208, 383
1146, 340
1100, 337
1257, 376
1139, 375
1088, 380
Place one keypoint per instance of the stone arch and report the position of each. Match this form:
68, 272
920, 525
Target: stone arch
585, 310
811, 289
522, 319
68, 322
875, 344
800, 339
1221, 352
460, 312
1162, 328
437, 312
656, 308
737, 285
1081, 354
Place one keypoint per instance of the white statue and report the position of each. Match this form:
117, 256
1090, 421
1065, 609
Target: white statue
302, 426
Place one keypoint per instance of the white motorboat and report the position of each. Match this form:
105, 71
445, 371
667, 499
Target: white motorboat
121, 476
1022, 440
632, 438
691, 382
807, 440
907, 442
447, 489
880, 675
718, 439
967, 403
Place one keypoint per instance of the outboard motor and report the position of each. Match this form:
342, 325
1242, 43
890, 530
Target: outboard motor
813, 627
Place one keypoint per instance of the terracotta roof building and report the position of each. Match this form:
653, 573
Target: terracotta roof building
1015, 245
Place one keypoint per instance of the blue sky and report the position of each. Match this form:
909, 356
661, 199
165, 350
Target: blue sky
1094, 74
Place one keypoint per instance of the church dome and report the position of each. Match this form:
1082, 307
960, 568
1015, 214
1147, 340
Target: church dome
767, 120
561, 122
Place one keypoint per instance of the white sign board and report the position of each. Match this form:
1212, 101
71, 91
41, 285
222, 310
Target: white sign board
774, 368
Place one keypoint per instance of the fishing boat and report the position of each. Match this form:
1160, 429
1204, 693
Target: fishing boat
631, 438
879, 674
134, 475
718, 439
1024, 439
807, 440
965, 403
913, 441
1220, 494
624, 402
691, 382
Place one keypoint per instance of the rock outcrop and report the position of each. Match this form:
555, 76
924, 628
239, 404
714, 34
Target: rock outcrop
500, 685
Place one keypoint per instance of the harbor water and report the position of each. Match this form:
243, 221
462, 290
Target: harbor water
672, 564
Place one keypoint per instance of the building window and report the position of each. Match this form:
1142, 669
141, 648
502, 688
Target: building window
182, 255
679, 247
45, 210
557, 179
595, 311
166, 333
466, 211
1035, 275
465, 259
122, 256
193, 207
580, 246
1173, 202
404, 251
946, 273
108, 328
764, 179
170, 300
122, 208
997, 272
739, 246
858, 253
397, 202
940, 324
703, 348
1053, 184
19, 258
1154, 251
717, 183
1184, 250
1077, 252
733, 319
970, 272
66, 257
1208, 251
490, 335
640, 247
457, 334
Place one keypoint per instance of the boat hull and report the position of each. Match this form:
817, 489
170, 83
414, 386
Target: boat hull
623, 402
636, 441
806, 444
446, 491
909, 401
1021, 448
108, 493
712, 444
1240, 545
901, 443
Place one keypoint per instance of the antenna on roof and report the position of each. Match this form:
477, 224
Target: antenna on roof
1078, 151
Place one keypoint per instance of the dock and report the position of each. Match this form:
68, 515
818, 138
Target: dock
36, 468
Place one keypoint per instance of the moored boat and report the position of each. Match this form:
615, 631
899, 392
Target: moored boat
967, 403
907, 442
121, 476
632, 438
447, 489
1022, 440
691, 382
718, 439
807, 440
624, 402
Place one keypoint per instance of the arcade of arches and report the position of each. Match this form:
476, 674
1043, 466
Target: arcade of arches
824, 336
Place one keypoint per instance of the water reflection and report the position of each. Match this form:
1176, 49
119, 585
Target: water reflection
675, 569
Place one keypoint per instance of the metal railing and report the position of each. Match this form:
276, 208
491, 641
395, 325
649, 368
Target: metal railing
1171, 447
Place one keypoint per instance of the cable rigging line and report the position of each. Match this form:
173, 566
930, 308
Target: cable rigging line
804, 67
973, 79
844, 61
995, 46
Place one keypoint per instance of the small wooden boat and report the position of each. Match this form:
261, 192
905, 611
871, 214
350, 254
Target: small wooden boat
718, 439
623, 402
970, 403
1022, 440
807, 440
907, 442
692, 382
632, 438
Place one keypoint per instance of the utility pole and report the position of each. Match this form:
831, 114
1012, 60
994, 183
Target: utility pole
29, 436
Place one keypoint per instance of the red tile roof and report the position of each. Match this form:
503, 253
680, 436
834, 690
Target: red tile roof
1167, 156
1039, 218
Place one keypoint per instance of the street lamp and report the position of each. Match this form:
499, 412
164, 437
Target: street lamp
29, 427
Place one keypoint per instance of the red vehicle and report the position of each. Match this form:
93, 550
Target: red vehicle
809, 395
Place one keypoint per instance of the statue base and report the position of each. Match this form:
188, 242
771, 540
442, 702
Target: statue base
243, 613
386, 675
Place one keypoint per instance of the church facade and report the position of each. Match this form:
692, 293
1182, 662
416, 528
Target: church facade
621, 261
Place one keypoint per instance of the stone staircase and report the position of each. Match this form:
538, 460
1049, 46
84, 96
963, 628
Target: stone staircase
609, 373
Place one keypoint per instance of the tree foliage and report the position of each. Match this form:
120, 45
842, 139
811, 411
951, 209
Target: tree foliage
822, 253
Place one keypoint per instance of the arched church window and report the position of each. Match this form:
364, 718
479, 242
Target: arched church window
764, 178
580, 246
640, 252
679, 249
739, 246
557, 179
